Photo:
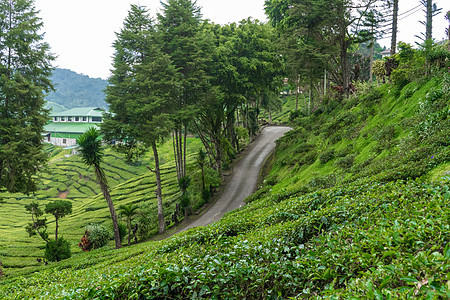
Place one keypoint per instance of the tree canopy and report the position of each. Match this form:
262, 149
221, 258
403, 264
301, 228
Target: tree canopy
25, 68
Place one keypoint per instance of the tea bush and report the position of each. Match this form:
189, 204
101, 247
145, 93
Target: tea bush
369, 226
57, 250
98, 235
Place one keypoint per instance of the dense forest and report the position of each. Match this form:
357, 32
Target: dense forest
354, 201
76, 90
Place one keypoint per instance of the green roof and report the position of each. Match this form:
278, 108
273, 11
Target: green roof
80, 112
69, 127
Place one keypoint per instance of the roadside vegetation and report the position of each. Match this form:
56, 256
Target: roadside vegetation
355, 203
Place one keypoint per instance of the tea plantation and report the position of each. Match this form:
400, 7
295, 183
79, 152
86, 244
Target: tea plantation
69, 178
357, 206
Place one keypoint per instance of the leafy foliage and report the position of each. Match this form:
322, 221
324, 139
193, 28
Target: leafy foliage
25, 68
57, 250
97, 236
92, 154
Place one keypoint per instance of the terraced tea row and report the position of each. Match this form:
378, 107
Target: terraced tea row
69, 178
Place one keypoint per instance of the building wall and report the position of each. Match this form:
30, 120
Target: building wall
62, 142
87, 119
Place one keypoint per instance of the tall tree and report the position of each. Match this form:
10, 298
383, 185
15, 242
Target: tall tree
185, 42
141, 91
430, 10
394, 26
222, 97
37, 225
339, 27
92, 155
129, 212
25, 68
258, 65
59, 209
447, 30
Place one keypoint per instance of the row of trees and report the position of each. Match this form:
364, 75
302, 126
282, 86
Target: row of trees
316, 35
179, 74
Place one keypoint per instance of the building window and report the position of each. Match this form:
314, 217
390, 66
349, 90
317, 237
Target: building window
69, 119
84, 119
55, 119
77, 119
63, 119
64, 141
96, 119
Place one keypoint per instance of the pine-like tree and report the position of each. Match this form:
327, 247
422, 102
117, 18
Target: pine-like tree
141, 91
394, 26
183, 39
25, 68
430, 10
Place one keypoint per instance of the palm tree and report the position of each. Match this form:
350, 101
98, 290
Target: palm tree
92, 155
128, 211
200, 159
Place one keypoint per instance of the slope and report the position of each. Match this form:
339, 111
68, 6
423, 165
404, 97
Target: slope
356, 206
69, 178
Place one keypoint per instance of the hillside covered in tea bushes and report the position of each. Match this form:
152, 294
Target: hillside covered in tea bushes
356, 206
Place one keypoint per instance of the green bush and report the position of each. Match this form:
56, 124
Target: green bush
123, 230
57, 251
185, 203
147, 222
98, 235
346, 151
323, 182
346, 162
327, 156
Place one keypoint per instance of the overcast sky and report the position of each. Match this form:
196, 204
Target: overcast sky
81, 32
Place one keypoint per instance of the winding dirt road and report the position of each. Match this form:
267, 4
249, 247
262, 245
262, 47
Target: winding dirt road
243, 179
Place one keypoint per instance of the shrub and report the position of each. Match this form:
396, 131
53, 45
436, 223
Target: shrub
346, 162
206, 195
98, 235
346, 151
323, 182
123, 230
326, 157
378, 70
185, 202
56, 251
147, 222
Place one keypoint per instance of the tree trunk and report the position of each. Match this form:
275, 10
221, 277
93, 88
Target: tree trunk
179, 140
175, 151
183, 170
297, 90
218, 155
129, 231
344, 60
394, 27
112, 211
270, 115
371, 62
429, 24
203, 177
157, 171
56, 230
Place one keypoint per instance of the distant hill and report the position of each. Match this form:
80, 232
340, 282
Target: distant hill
55, 107
77, 90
